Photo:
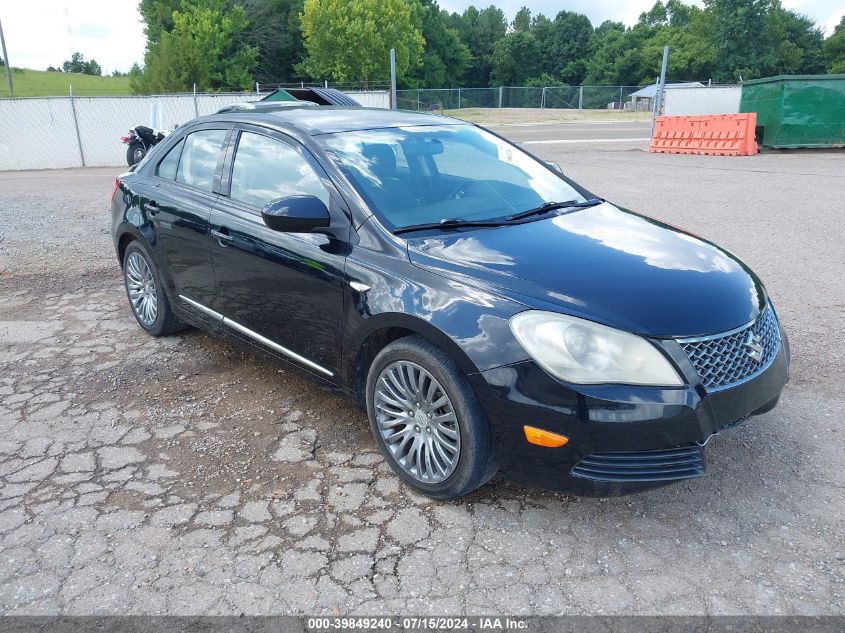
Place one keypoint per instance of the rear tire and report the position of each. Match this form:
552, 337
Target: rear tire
135, 153
145, 291
431, 427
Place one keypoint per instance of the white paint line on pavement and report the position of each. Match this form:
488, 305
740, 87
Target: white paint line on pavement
578, 122
586, 140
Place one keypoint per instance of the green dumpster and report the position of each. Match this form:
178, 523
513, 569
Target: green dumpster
279, 95
797, 110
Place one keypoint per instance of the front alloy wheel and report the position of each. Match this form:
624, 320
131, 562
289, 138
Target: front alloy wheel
417, 422
427, 420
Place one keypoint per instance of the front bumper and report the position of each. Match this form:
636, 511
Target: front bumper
611, 426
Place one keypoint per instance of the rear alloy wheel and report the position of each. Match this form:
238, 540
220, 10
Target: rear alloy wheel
146, 295
427, 420
141, 289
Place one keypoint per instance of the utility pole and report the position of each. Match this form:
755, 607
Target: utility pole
6, 60
661, 85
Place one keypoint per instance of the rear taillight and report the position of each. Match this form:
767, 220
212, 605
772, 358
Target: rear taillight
124, 139
115, 187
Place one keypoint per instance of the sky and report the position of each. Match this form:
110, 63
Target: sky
41, 33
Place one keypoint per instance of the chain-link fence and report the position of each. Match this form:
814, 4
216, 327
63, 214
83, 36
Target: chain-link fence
58, 132
693, 100
61, 132
553, 97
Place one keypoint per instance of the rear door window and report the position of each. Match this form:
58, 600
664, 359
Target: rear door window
198, 162
167, 166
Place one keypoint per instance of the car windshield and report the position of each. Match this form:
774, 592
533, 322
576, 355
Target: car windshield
425, 174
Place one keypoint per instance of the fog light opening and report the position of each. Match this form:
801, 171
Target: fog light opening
541, 437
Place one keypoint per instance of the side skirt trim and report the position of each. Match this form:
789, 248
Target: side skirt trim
256, 336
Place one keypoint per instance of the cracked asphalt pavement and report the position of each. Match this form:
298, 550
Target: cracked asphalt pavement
187, 475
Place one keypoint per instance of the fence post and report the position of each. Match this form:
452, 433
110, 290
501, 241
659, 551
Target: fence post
325, 83
661, 84
76, 125
392, 78
543, 99
459, 98
196, 107
620, 97
500, 96
6, 62
581, 97
418, 99
257, 88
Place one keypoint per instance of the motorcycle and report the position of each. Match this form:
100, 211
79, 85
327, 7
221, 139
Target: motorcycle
140, 139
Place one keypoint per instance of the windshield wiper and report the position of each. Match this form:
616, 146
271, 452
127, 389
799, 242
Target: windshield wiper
551, 206
448, 223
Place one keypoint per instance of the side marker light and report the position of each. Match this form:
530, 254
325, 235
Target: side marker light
544, 438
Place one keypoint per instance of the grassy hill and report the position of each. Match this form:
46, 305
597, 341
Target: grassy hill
41, 83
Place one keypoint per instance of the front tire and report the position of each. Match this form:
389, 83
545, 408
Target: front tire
135, 153
427, 420
147, 298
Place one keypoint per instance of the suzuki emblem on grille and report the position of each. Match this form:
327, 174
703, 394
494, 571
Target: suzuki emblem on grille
753, 343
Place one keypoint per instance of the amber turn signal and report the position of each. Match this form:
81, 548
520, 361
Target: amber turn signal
544, 438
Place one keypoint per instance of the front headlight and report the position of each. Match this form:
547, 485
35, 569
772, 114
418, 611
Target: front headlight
580, 351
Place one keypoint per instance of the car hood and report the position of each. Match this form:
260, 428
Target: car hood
605, 264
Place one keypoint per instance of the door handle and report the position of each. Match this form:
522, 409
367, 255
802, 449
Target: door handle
223, 238
150, 207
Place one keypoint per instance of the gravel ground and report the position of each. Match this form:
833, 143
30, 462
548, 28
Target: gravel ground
189, 476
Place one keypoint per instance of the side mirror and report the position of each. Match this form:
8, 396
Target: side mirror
296, 214
554, 166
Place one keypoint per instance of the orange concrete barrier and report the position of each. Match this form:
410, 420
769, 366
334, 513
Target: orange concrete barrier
715, 134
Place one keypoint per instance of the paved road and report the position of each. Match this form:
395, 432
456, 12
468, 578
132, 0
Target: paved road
620, 134
186, 475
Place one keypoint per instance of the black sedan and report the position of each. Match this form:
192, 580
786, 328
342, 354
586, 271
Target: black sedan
487, 312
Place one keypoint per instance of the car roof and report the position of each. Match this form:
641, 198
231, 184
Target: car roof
265, 106
332, 119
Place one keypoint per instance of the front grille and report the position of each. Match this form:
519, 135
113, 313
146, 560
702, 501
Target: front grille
724, 360
661, 465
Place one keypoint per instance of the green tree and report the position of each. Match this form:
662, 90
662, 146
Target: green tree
92, 68
745, 38
276, 34
679, 14
480, 30
76, 63
802, 35
544, 80
613, 58
348, 41
515, 59
566, 45
685, 30
522, 20
446, 57
656, 15
834, 49
205, 47
158, 18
